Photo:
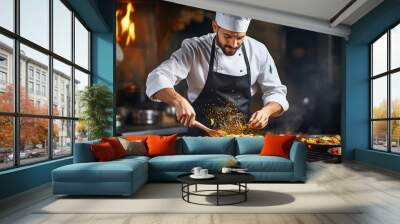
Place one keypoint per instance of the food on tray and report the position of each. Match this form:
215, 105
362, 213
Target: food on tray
322, 140
241, 135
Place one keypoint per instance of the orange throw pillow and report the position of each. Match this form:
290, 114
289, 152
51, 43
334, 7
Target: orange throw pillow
277, 145
116, 145
103, 151
161, 145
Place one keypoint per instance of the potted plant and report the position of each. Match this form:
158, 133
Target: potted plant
96, 110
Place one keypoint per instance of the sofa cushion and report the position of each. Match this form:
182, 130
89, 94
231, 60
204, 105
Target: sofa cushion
277, 145
116, 145
83, 152
111, 171
103, 151
185, 163
257, 163
161, 145
133, 157
249, 145
207, 145
134, 147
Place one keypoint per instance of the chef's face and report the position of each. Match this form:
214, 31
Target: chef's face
229, 41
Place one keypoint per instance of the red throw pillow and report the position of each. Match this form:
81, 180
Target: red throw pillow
161, 145
277, 145
116, 145
103, 151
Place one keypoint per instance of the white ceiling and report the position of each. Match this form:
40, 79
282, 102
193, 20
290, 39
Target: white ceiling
320, 9
314, 15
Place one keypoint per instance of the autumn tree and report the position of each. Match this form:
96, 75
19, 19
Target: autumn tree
396, 123
6, 122
380, 127
33, 131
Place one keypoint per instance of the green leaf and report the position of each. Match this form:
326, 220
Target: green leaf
96, 102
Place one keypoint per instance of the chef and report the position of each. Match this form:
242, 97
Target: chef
220, 68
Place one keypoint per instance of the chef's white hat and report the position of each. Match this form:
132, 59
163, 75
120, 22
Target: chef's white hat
231, 22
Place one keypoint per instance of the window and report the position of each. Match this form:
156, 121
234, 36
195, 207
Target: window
62, 74
395, 47
3, 72
81, 81
3, 61
47, 74
385, 91
62, 29
44, 91
6, 89
30, 87
30, 72
33, 149
34, 21
62, 140
38, 89
81, 45
6, 142
37, 74
3, 78
7, 14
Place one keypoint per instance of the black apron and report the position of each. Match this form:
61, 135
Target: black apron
220, 90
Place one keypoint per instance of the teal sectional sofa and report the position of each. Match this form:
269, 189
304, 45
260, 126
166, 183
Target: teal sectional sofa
125, 176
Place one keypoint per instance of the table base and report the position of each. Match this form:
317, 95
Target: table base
241, 191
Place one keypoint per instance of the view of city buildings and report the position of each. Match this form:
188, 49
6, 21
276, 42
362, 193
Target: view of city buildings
385, 93
39, 114
34, 82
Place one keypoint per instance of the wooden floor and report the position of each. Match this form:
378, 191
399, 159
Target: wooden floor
377, 188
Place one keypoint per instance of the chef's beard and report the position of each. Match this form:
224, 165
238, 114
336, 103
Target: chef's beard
225, 47
229, 47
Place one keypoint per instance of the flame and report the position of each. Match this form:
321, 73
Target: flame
127, 25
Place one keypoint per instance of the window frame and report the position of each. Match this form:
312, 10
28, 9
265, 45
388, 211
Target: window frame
3, 74
388, 74
16, 114
3, 71
6, 61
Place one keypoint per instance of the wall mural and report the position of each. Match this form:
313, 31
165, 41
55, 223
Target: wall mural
310, 64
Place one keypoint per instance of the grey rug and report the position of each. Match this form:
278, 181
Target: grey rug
166, 198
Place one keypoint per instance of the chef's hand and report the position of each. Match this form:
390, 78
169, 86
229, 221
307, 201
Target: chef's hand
185, 112
259, 119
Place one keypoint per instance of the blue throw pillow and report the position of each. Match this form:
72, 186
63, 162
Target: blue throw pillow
249, 145
207, 145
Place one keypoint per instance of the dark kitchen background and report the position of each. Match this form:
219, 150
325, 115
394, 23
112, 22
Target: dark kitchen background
310, 64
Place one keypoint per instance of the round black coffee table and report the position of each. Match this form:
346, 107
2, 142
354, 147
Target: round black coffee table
238, 179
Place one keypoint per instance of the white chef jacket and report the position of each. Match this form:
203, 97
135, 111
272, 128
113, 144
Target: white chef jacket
191, 62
